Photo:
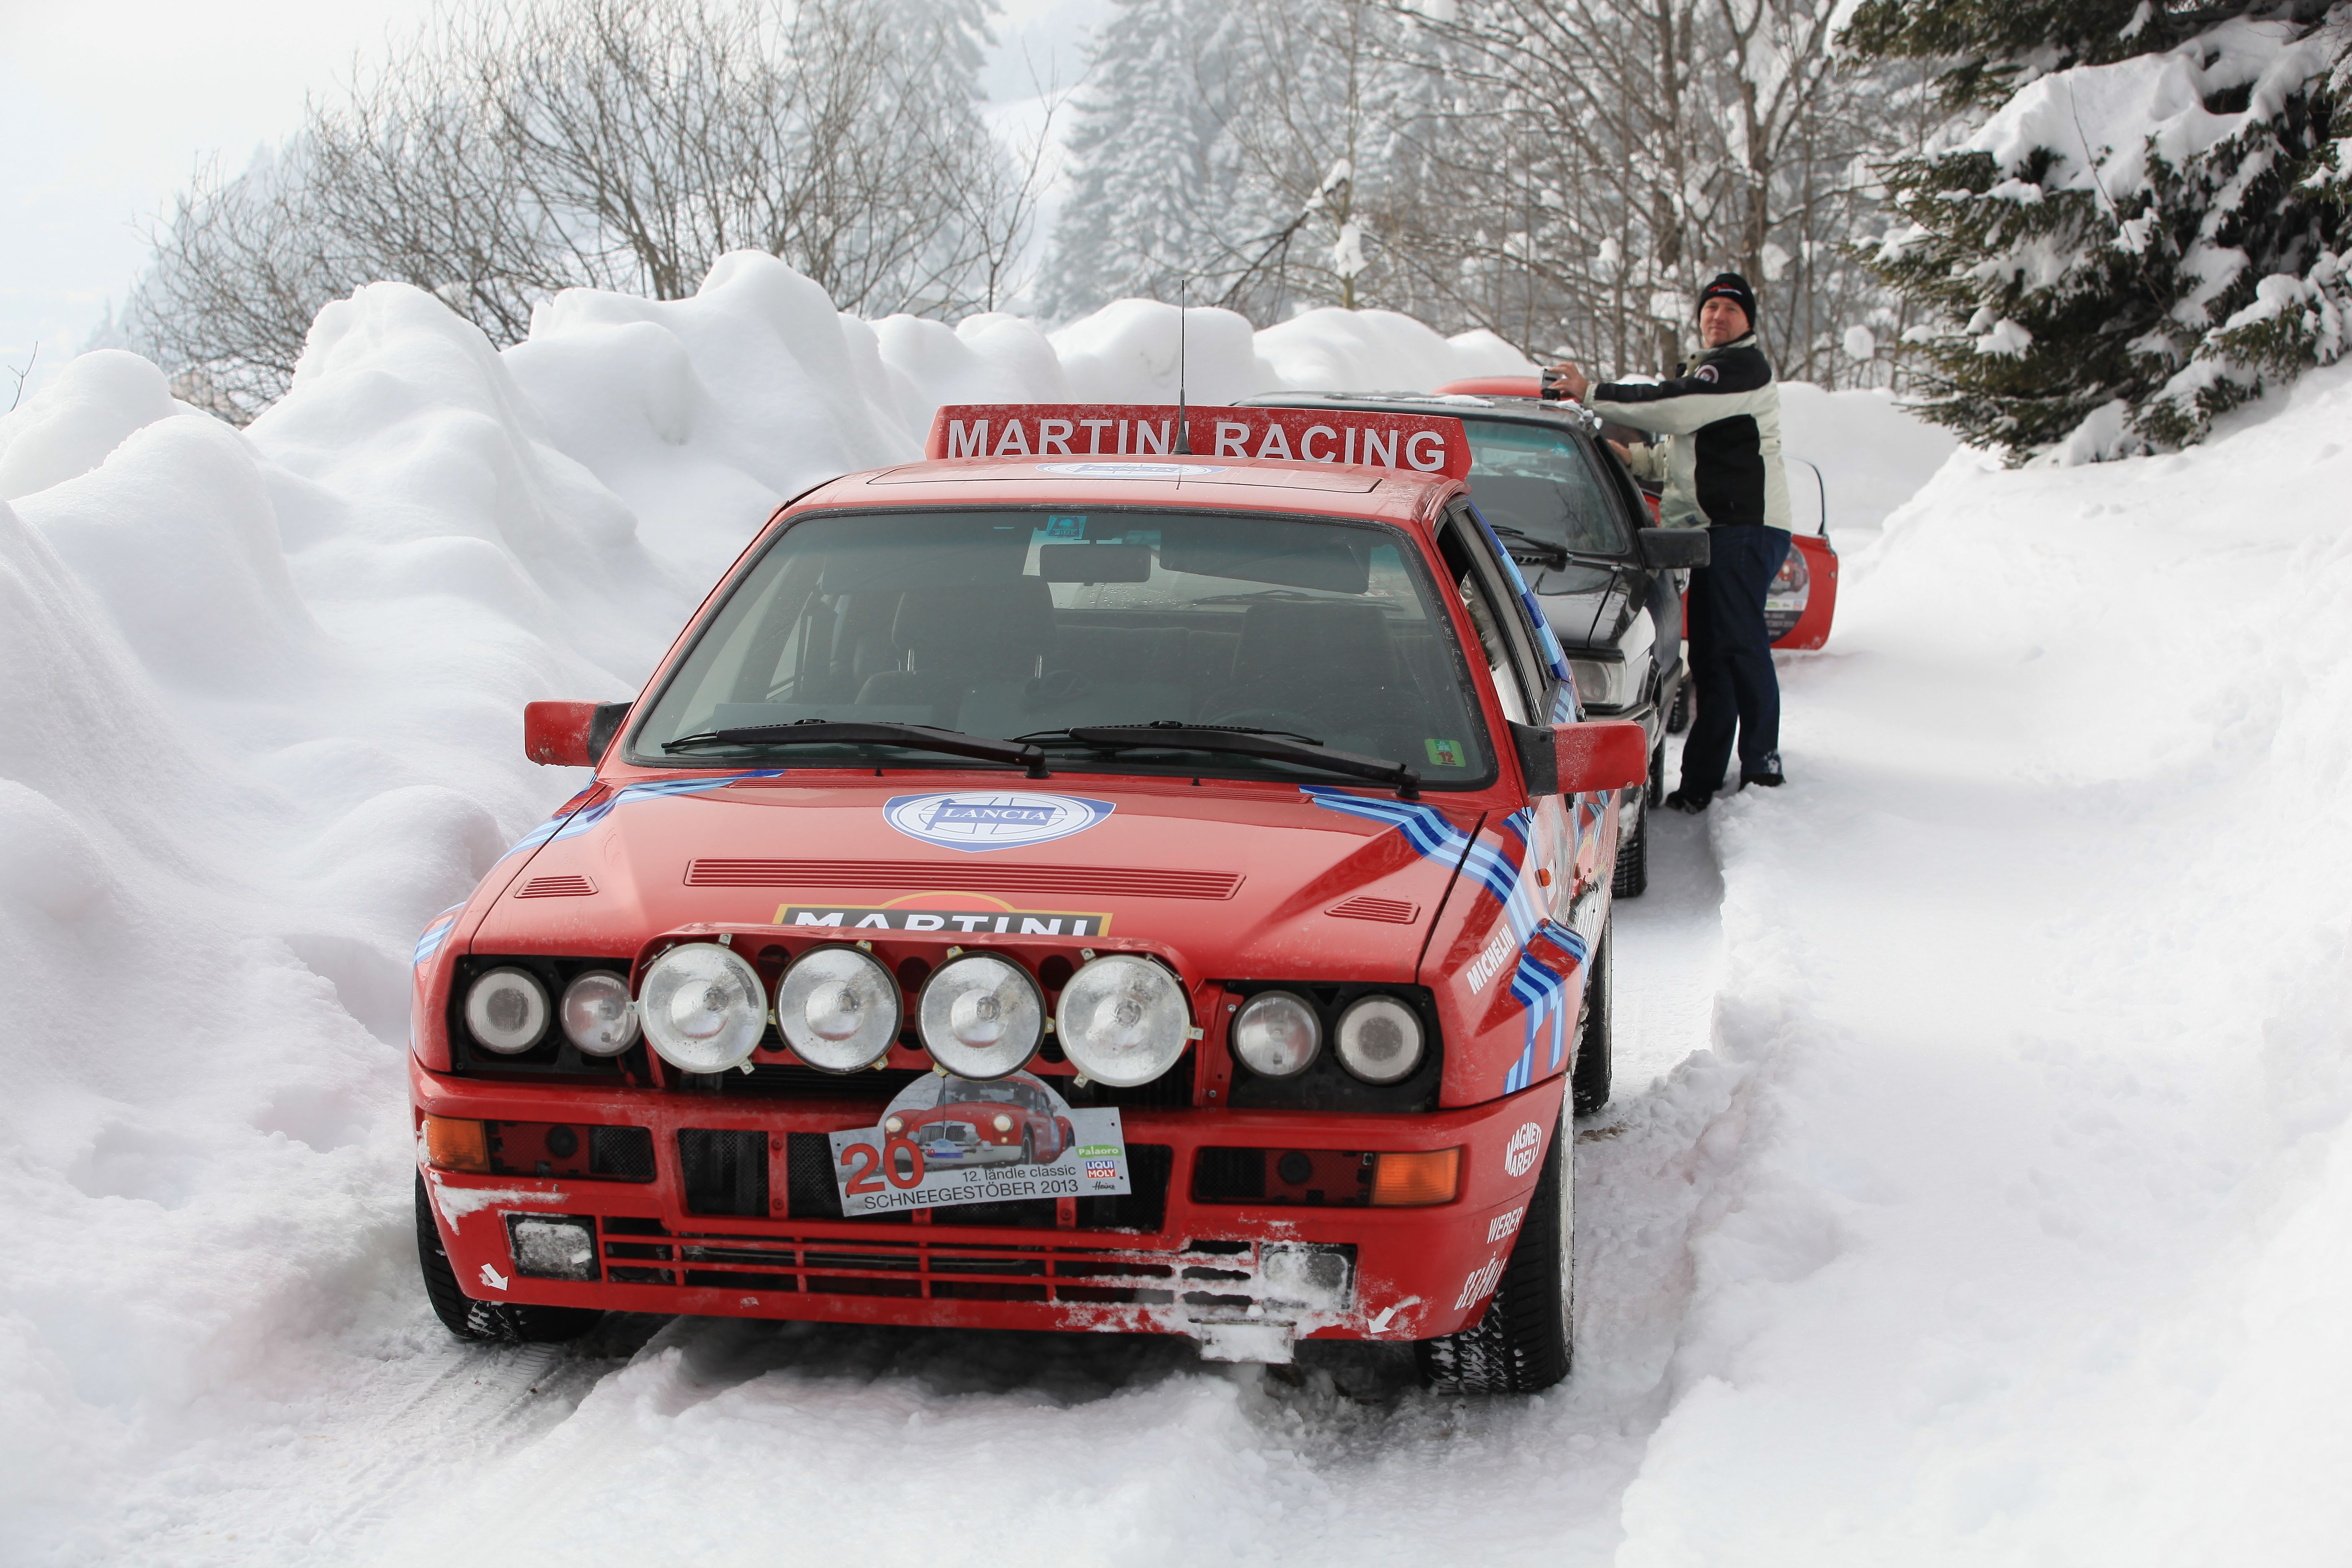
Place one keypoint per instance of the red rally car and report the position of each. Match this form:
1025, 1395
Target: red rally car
1206, 783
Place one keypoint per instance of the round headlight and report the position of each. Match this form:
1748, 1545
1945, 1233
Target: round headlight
980, 1017
1379, 1039
1277, 1035
837, 1008
1003, 1123
506, 1011
703, 1007
895, 1124
1123, 1020
597, 1015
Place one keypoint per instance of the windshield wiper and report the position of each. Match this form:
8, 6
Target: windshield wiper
1546, 551
828, 732
1239, 740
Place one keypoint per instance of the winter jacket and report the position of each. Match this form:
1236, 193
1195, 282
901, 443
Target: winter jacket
1720, 417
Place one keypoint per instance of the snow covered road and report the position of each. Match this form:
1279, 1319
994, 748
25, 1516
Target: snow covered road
1978, 1189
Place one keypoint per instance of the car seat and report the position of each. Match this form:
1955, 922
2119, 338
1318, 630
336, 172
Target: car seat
949, 640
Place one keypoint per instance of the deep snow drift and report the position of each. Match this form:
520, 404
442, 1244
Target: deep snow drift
1978, 1189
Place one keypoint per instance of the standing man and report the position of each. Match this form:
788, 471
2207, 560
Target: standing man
1720, 417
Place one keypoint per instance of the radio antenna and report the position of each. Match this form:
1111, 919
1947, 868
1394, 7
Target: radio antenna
1183, 307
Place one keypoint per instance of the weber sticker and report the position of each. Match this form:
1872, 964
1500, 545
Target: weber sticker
998, 921
947, 1141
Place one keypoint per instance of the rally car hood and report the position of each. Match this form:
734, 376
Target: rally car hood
1228, 880
1586, 605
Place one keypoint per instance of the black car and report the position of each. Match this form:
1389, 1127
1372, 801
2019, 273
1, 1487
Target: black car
1572, 517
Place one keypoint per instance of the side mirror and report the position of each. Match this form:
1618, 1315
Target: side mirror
570, 734
1664, 547
1579, 759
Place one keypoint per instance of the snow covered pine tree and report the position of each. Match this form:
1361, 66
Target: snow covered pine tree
2148, 227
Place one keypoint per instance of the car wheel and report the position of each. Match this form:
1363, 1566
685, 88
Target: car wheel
1595, 1043
1678, 717
1632, 873
1657, 775
1029, 1145
513, 1321
1522, 1343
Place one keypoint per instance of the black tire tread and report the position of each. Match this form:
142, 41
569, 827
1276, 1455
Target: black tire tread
1596, 1028
510, 1323
1631, 879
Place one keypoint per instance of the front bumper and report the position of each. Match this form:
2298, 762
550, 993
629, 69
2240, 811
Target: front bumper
1243, 1278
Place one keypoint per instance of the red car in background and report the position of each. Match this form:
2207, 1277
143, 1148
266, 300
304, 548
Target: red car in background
1218, 770
1010, 1121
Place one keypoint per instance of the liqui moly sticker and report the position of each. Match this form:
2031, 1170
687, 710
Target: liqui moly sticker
979, 820
1413, 443
947, 1141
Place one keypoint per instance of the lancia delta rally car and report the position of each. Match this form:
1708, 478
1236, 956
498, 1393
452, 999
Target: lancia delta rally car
1065, 883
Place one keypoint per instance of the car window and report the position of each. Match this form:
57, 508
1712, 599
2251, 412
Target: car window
1019, 621
1538, 481
1512, 661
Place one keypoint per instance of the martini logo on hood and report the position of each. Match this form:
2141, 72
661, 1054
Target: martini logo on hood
975, 820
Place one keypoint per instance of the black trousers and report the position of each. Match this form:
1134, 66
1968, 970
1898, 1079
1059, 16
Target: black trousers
1731, 657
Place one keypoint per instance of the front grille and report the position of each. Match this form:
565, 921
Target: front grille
623, 1154
724, 1172
1080, 881
573, 1152
911, 1267
1309, 1178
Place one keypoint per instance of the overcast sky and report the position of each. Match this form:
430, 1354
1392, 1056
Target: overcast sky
107, 106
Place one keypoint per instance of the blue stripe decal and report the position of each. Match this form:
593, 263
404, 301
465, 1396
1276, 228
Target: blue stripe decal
570, 824
1546, 639
436, 934
1536, 985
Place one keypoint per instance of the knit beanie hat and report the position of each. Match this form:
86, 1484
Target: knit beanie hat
1731, 285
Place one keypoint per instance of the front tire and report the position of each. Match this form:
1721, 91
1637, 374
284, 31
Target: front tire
1595, 1033
1521, 1345
514, 1323
1678, 717
1632, 876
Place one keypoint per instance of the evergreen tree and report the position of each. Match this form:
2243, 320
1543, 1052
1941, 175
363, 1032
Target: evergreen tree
1154, 171
2145, 233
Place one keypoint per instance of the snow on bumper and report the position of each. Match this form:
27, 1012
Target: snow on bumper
1246, 1279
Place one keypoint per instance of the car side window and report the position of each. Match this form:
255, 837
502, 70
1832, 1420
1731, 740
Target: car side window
1520, 679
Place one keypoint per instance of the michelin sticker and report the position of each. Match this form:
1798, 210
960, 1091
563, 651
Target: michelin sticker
946, 1141
980, 820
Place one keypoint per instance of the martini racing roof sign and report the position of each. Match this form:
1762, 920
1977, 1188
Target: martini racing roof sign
1413, 443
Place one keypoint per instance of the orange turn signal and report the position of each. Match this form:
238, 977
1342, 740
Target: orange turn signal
1401, 1180
455, 1145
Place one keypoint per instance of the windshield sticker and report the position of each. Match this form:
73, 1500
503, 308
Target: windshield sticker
976, 821
946, 1141
1001, 919
1066, 528
1127, 471
1445, 754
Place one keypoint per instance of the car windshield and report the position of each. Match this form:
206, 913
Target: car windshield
1030, 620
1532, 478
966, 1091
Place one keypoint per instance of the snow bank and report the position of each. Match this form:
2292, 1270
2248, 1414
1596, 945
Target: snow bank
1868, 454
259, 702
